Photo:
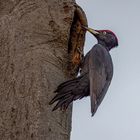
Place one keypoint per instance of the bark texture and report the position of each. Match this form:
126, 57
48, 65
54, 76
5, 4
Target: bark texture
34, 38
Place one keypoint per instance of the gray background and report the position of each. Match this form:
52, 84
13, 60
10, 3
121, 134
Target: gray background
118, 117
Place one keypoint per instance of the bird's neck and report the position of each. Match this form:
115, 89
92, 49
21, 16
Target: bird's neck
104, 45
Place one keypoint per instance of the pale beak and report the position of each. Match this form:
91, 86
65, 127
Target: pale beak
94, 32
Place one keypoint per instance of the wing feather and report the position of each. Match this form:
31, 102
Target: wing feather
100, 75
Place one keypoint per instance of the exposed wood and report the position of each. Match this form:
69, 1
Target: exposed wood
77, 40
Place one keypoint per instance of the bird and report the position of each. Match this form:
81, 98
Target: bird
95, 76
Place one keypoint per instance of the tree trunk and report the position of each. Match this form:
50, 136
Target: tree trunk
34, 37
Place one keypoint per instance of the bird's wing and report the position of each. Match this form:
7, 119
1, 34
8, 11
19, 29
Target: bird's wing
100, 75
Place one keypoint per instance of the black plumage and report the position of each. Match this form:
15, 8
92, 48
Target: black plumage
95, 76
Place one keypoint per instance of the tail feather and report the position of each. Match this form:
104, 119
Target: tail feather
67, 83
66, 89
58, 97
63, 103
69, 91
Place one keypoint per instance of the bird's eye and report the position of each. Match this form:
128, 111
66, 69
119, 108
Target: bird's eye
104, 32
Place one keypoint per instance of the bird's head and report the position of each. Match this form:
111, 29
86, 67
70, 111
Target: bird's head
105, 37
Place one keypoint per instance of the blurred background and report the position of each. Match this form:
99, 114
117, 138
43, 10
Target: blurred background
118, 117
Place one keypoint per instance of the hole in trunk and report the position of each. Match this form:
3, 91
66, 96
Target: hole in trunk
76, 40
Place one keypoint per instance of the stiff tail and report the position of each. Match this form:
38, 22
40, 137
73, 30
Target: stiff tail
67, 92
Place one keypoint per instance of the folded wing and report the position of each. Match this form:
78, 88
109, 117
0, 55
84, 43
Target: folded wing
100, 75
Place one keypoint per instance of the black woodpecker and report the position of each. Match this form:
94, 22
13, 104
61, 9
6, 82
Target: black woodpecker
95, 75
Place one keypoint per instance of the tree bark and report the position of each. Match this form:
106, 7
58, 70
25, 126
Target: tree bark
34, 37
